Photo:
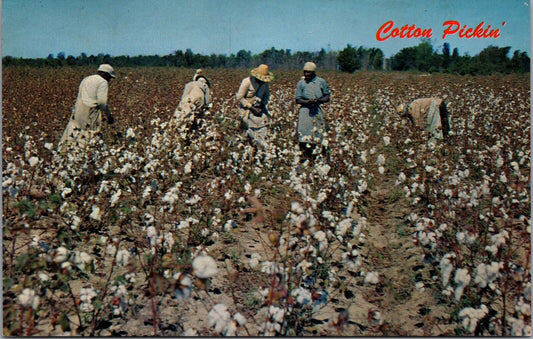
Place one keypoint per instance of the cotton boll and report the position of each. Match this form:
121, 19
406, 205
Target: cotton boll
96, 214
462, 279
28, 298
204, 267
219, 317
33, 161
372, 278
381, 160
486, 274
472, 316
446, 267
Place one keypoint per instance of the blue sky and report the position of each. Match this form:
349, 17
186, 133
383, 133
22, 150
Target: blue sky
37, 28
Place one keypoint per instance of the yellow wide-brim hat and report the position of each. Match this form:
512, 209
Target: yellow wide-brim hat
262, 73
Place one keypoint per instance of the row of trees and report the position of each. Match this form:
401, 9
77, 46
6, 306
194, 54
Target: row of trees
490, 60
418, 58
276, 58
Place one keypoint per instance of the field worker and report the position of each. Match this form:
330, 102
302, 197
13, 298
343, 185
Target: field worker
253, 97
196, 96
429, 114
311, 92
86, 119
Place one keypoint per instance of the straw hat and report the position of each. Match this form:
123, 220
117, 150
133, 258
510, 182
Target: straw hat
262, 73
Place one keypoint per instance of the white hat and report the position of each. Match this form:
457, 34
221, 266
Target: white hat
310, 66
108, 69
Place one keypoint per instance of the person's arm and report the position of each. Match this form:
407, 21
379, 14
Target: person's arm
241, 93
101, 99
325, 93
299, 95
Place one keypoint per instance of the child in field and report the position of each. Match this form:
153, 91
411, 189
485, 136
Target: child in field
428, 114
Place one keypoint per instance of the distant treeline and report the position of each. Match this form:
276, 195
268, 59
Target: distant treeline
421, 58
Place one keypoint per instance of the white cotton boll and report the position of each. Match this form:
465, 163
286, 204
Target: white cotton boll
204, 232
190, 332
257, 193
254, 261
296, 207
420, 287
228, 195
219, 317
381, 160
115, 197
301, 295
151, 232
352, 259
130, 133
122, 257
61, 254
362, 186
386, 140
472, 316
229, 225
28, 298
96, 214
372, 278
240, 319
320, 236
460, 236
33, 161
401, 178
446, 267
462, 279
323, 170
503, 178
231, 329
187, 168
204, 267
49, 146
486, 274
364, 156
381, 169
343, 227
146, 192
277, 314
194, 200
44, 276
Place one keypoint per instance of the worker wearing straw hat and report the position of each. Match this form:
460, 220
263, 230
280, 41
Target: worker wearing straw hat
253, 96
311, 92
86, 119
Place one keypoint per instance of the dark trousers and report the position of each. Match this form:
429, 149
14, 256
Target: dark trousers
443, 112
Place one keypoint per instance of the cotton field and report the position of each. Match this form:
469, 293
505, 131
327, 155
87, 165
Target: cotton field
155, 228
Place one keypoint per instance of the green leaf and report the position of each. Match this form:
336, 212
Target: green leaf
8, 282
22, 260
97, 303
64, 322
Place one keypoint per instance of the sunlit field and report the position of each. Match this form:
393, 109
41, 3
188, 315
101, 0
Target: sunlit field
157, 229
